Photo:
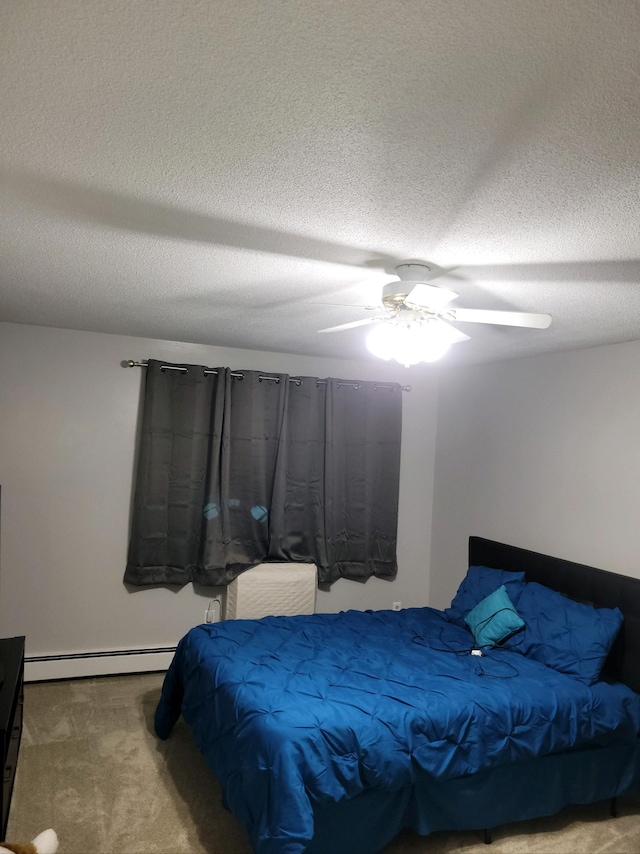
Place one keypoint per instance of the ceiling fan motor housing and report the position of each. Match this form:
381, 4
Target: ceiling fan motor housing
410, 274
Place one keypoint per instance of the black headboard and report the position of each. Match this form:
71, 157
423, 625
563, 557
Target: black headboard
583, 583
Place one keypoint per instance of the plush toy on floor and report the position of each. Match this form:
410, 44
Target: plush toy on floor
44, 843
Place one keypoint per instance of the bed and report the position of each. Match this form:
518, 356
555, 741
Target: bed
333, 732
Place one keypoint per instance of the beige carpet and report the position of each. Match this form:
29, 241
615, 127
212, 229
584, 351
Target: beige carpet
91, 768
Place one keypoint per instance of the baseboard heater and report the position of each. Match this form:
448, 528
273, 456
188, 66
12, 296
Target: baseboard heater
43, 668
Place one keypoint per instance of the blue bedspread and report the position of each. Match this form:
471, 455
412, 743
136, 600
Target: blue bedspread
292, 712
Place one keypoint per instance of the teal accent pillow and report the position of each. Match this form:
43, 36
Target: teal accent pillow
477, 584
494, 619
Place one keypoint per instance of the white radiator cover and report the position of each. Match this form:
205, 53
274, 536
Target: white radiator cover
272, 589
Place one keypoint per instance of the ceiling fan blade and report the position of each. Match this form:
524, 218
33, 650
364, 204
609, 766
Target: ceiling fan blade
503, 318
352, 325
343, 305
428, 296
448, 333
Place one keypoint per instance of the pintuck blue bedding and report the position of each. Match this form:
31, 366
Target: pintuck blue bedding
293, 713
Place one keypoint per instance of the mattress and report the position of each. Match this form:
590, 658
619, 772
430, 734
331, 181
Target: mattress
293, 713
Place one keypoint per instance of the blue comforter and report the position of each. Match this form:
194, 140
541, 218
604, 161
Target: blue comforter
294, 712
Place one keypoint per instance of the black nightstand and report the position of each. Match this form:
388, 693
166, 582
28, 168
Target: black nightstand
11, 699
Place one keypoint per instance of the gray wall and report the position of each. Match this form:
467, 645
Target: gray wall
67, 439
541, 453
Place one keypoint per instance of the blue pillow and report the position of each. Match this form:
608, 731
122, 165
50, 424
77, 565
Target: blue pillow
494, 619
568, 636
476, 586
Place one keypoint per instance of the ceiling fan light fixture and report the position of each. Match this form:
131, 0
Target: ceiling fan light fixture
418, 323
408, 342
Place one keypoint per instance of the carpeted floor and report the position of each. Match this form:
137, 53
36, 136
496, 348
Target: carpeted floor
91, 768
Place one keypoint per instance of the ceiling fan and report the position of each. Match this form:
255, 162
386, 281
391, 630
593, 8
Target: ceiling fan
416, 326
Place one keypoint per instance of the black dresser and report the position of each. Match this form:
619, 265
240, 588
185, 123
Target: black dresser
11, 699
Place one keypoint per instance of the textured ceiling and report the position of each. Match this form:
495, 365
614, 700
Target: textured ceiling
244, 173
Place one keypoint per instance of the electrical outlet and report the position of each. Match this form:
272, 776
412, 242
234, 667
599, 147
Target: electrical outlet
397, 606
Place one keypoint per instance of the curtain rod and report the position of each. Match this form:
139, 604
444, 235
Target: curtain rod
130, 363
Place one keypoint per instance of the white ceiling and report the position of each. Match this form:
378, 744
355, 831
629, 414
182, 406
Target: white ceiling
246, 172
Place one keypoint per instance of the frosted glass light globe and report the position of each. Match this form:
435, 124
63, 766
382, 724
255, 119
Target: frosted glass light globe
381, 340
408, 342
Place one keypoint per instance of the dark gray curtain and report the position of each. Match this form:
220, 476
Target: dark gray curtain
362, 474
236, 469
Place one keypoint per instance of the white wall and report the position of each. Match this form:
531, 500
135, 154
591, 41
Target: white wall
541, 453
67, 437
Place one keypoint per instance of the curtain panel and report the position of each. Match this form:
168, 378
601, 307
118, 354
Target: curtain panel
237, 468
